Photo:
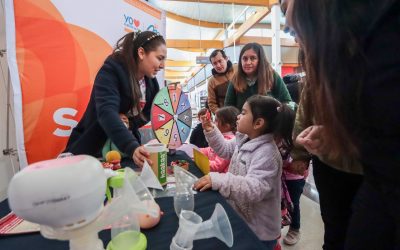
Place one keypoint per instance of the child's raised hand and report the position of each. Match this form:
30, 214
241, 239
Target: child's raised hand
206, 122
203, 183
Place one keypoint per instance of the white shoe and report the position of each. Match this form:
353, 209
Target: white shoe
292, 237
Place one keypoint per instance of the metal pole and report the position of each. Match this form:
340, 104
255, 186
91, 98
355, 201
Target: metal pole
8, 112
234, 37
276, 40
7, 150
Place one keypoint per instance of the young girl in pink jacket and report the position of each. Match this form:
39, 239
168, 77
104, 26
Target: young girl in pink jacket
225, 120
252, 184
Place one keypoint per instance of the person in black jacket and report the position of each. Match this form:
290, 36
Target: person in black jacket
293, 84
125, 84
352, 86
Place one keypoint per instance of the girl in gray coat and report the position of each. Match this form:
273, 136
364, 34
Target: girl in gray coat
252, 184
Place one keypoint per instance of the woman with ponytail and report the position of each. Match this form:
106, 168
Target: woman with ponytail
125, 84
352, 67
252, 184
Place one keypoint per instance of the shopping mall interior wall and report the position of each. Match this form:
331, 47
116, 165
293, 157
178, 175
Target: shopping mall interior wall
8, 163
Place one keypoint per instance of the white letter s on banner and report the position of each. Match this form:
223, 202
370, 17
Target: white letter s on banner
59, 118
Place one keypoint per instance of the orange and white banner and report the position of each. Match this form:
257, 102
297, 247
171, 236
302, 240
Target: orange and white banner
55, 49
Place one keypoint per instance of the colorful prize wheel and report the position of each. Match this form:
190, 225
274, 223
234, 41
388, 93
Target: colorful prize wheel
171, 116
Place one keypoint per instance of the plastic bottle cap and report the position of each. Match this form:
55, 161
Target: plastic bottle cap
141, 244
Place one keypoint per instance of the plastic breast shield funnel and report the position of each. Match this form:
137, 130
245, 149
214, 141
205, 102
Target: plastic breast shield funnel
184, 197
192, 228
65, 196
125, 233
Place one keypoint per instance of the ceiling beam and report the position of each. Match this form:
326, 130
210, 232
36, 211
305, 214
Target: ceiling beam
176, 74
206, 24
194, 22
260, 26
176, 77
197, 50
266, 41
236, 2
171, 63
261, 12
194, 44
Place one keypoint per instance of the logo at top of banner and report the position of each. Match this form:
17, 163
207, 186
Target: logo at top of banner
131, 24
154, 28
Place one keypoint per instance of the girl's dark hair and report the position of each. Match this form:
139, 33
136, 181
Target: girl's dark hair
228, 115
330, 35
126, 51
278, 117
265, 73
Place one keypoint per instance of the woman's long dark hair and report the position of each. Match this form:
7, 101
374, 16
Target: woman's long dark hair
331, 35
265, 73
126, 51
278, 117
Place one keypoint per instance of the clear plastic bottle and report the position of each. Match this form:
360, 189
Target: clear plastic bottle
183, 199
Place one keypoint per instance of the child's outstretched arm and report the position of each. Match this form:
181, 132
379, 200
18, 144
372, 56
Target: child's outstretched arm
262, 176
216, 140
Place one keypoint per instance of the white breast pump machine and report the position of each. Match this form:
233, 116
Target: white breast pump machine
66, 196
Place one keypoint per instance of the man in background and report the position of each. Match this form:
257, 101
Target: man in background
222, 74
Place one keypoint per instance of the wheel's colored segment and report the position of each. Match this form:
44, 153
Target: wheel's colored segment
159, 117
175, 140
174, 94
184, 130
171, 116
184, 103
162, 100
186, 117
163, 134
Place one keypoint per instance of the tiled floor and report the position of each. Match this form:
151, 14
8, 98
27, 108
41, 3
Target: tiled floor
312, 228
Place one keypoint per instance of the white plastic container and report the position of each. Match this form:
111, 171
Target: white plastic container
158, 156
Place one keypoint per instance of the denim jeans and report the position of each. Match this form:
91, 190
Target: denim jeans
295, 189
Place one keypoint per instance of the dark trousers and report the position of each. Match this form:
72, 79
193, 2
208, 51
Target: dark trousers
295, 189
375, 223
336, 190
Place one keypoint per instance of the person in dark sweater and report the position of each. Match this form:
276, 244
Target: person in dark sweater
125, 84
197, 137
255, 75
352, 87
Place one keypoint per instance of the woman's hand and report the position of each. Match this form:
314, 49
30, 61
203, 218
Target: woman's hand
206, 122
312, 140
139, 155
203, 183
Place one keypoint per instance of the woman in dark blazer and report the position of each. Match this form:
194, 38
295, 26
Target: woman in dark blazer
125, 84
